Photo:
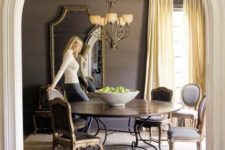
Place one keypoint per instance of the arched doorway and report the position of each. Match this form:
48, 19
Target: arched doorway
11, 130
11, 121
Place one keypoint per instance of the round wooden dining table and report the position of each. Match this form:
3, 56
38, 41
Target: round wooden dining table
136, 108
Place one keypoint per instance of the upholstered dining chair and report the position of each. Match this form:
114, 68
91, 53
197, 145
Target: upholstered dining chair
78, 123
190, 95
185, 134
54, 93
160, 94
63, 128
43, 108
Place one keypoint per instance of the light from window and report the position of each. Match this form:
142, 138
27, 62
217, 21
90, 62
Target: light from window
180, 53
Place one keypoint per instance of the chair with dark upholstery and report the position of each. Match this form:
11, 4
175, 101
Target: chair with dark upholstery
189, 134
43, 109
190, 95
159, 94
78, 123
63, 129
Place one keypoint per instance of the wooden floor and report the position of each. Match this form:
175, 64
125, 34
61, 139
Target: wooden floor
44, 141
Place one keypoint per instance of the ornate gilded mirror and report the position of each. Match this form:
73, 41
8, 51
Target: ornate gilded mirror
74, 20
96, 57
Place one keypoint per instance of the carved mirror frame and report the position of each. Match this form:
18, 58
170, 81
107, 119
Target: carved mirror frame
98, 71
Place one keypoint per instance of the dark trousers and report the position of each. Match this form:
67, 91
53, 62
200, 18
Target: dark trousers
90, 85
75, 93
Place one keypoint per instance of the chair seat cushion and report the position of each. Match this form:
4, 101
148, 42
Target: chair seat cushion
181, 133
186, 113
82, 137
152, 121
42, 113
153, 118
156, 118
79, 123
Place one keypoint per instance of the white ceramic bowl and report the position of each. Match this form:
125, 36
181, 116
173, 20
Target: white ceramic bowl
118, 99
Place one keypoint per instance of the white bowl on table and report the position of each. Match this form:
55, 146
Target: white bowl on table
118, 99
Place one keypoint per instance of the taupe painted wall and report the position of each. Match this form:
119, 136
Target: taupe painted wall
125, 67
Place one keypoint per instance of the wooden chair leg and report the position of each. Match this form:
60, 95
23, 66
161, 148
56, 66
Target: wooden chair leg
74, 147
171, 145
179, 122
183, 120
135, 133
35, 124
100, 146
198, 144
169, 125
159, 128
192, 123
195, 123
54, 146
150, 134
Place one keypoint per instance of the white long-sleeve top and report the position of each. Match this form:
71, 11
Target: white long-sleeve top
69, 67
83, 70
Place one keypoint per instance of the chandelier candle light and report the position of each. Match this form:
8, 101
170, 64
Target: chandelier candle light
114, 27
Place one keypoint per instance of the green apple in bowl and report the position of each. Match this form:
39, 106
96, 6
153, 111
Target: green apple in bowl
108, 89
117, 96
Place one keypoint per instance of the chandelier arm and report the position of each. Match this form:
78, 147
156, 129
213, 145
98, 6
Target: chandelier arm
114, 30
108, 32
116, 38
117, 30
128, 31
105, 33
124, 32
111, 4
120, 33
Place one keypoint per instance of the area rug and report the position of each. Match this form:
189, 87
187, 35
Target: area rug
44, 142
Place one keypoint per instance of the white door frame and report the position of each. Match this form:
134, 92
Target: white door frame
215, 73
11, 113
11, 122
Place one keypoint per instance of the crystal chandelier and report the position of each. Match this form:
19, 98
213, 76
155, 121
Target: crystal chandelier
113, 27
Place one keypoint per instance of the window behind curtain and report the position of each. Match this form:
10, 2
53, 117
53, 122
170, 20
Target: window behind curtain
180, 52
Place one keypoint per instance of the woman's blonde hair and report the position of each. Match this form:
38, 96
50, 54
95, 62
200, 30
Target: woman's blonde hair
71, 41
85, 49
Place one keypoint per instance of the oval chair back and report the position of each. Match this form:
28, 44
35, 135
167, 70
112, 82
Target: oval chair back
162, 94
201, 114
190, 94
55, 94
62, 123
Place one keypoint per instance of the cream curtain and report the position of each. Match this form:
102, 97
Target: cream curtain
195, 21
159, 64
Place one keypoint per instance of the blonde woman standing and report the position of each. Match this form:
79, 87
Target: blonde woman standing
69, 68
83, 76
